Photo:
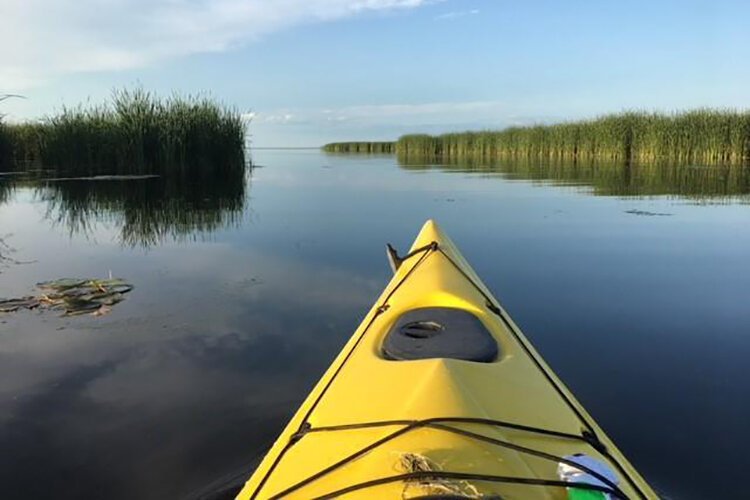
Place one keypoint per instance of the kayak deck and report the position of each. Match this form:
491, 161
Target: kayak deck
375, 427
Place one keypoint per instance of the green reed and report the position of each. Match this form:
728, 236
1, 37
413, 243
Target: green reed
361, 147
703, 135
135, 133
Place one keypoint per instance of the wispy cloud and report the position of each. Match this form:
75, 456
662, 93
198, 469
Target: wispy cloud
315, 126
368, 115
279, 117
44, 38
456, 14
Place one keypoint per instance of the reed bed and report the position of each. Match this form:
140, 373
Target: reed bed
20, 146
135, 133
6, 147
704, 135
361, 147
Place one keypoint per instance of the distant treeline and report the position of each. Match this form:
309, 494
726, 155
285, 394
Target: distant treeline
135, 133
361, 147
703, 135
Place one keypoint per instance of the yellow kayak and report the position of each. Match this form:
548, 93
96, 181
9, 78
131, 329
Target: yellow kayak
438, 395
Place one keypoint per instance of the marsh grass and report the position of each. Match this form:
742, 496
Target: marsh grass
704, 135
361, 147
6, 147
135, 133
20, 146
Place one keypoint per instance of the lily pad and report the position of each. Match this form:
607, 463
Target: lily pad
76, 307
61, 284
110, 282
12, 305
74, 296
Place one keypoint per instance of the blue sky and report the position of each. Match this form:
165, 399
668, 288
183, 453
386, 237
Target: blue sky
314, 71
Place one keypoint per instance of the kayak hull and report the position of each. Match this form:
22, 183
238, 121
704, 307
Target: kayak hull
371, 419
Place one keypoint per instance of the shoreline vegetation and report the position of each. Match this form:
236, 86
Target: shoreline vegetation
154, 169
384, 147
704, 135
135, 133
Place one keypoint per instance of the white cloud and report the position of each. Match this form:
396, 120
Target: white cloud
456, 14
316, 126
45, 38
386, 114
277, 117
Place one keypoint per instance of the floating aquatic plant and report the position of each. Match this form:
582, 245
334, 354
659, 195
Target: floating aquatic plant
73, 296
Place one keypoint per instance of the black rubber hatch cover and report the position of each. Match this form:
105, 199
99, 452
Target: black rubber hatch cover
440, 332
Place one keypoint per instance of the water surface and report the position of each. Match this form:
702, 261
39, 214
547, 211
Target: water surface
631, 281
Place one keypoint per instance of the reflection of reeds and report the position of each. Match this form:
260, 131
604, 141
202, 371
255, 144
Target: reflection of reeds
361, 147
149, 211
134, 134
607, 178
6, 189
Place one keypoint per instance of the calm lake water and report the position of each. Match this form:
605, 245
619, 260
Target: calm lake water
632, 282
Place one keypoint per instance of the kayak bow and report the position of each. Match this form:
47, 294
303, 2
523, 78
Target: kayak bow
438, 394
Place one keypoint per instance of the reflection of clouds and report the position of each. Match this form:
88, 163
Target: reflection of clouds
38, 438
150, 413
258, 276
430, 113
223, 372
195, 372
206, 294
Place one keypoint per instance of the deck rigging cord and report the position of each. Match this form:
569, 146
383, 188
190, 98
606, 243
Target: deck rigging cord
588, 434
431, 475
436, 423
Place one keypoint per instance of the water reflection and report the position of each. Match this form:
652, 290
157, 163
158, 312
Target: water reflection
6, 188
145, 211
183, 389
609, 179
178, 391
